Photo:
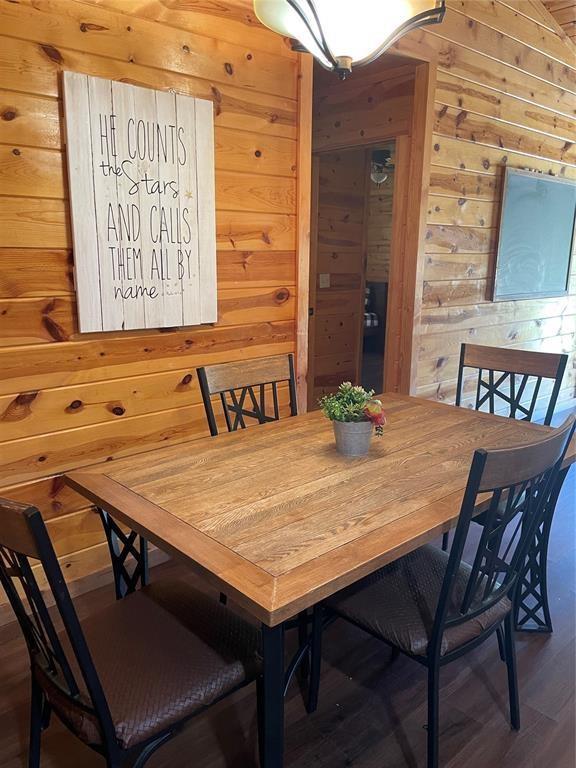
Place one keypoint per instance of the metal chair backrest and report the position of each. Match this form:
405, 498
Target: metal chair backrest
247, 390
23, 537
517, 483
511, 378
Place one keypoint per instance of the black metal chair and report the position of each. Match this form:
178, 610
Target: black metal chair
243, 389
434, 607
511, 379
125, 680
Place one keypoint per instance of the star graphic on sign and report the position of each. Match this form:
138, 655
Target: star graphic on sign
189, 195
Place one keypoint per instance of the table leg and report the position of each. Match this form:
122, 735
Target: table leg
532, 610
272, 721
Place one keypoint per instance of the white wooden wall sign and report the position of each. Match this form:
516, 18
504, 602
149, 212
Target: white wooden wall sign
141, 173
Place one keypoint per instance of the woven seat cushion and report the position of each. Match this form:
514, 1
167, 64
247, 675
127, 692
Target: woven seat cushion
398, 603
162, 654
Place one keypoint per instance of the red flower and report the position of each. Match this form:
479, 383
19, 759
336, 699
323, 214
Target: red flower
374, 412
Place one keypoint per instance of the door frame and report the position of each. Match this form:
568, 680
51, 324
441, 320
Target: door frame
303, 223
411, 185
311, 288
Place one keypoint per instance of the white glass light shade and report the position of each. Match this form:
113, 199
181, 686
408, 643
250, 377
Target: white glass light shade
344, 33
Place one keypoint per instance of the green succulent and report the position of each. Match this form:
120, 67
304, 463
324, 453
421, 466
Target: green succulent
347, 404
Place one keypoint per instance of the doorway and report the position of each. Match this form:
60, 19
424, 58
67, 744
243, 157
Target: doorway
378, 245
369, 188
352, 263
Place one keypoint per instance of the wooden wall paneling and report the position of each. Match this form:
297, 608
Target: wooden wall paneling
448, 293
438, 345
463, 318
462, 211
49, 410
442, 239
375, 106
29, 120
62, 451
462, 28
538, 12
50, 495
229, 22
47, 167
451, 266
42, 223
446, 391
451, 152
100, 32
96, 359
564, 12
30, 272
477, 128
33, 321
503, 18
471, 97
448, 368
379, 233
255, 267
34, 222
444, 181
236, 107
472, 63
505, 96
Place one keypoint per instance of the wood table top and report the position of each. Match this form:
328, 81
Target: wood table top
274, 517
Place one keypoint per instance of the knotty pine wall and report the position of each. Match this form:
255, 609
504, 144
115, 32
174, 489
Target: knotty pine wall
379, 232
505, 94
564, 12
68, 400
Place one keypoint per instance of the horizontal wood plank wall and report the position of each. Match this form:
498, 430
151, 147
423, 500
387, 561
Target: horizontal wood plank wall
379, 234
506, 95
372, 104
68, 400
564, 12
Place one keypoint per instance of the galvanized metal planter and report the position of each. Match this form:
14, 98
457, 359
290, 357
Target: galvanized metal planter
352, 437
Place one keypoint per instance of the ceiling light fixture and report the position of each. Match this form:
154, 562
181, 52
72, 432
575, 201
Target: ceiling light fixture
346, 33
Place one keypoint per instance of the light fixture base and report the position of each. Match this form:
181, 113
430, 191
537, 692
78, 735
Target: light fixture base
343, 66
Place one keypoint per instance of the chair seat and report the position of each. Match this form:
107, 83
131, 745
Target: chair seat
398, 603
162, 654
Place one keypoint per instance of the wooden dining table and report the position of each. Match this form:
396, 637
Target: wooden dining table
277, 520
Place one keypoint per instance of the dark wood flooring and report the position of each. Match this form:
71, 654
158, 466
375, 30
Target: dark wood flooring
372, 710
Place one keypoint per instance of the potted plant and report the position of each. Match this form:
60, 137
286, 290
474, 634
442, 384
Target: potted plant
354, 413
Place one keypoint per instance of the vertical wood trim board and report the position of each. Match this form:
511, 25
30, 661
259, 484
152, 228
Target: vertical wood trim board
304, 171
